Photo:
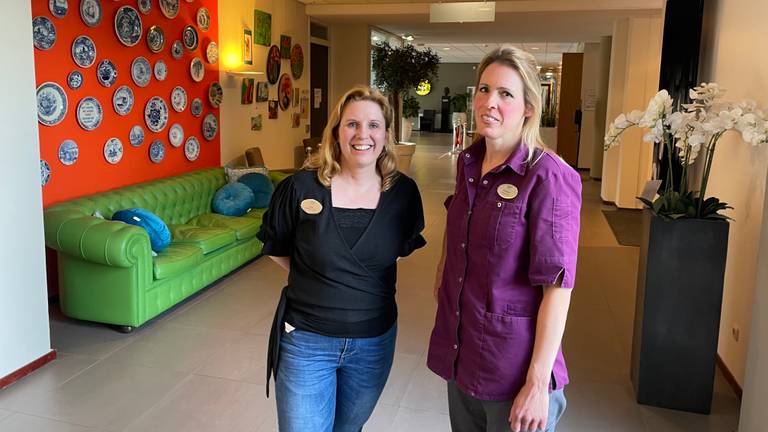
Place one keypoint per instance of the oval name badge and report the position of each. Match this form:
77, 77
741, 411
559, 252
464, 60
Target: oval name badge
311, 206
507, 191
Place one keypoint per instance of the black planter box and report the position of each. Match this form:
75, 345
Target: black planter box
677, 312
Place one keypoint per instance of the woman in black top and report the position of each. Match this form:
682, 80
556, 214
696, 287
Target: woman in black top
338, 226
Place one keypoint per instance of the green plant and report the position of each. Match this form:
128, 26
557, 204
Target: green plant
459, 102
411, 107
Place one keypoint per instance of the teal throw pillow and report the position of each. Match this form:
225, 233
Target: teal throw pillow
234, 199
159, 234
261, 186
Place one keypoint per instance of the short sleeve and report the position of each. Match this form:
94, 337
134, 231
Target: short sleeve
554, 207
414, 240
279, 221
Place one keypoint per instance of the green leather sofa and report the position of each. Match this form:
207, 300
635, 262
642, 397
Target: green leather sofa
106, 270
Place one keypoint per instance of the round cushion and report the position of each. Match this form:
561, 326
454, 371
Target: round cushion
159, 234
260, 185
234, 199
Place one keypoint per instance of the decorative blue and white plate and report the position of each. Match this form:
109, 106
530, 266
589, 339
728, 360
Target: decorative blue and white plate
83, 51
123, 100
203, 19
43, 33
75, 80
51, 103
197, 107
145, 6
68, 152
128, 26
179, 99
90, 12
177, 49
156, 151
215, 94
161, 70
176, 135
58, 8
45, 172
169, 8
156, 114
210, 126
106, 72
141, 71
212, 53
89, 113
192, 148
155, 39
113, 150
136, 136
189, 36
197, 69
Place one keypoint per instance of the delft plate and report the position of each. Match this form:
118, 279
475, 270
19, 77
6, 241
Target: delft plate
68, 152
128, 26
156, 114
192, 148
210, 126
123, 100
113, 150
177, 49
89, 113
197, 69
169, 8
197, 107
83, 51
161, 70
156, 151
203, 19
145, 6
155, 39
51, 103
189, 37
141, 71
176, 135
75, 80
45, 172
212, 53
90, 12
215, 94
43, 33
179, 99
58, 8
106, 72
136, 136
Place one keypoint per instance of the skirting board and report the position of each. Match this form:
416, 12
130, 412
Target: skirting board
729, 377
28, 369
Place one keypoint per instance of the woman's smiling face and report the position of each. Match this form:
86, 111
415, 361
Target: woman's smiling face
499, 104
362, 134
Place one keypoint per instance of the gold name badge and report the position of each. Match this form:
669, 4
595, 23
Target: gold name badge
311, 206
507, 191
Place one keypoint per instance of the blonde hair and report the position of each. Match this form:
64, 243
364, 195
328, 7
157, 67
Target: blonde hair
327, 159
525, 65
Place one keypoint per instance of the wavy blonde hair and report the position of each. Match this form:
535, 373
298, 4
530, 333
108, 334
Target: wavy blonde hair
327, 160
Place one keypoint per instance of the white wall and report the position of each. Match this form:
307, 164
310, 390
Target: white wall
349, 64
277, 138
589, 90
24, 333
603, 72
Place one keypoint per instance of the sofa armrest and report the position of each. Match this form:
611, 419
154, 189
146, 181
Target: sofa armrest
94, 239
277, 176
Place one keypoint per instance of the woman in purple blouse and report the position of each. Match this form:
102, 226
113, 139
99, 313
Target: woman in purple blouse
504, 282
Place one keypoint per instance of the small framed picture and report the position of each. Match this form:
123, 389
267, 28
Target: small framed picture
295, 120
262, 91
285, 46
295, 97
256, 122
273, 109
247, 46
246, 96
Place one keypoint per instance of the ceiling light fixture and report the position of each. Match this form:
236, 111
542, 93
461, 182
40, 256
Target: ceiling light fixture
462, 12
408, 37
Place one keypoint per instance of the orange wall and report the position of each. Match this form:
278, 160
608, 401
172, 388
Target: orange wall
92, 173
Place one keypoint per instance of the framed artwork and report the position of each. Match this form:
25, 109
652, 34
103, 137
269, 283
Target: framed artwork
285, 46
304, 108
273, 109
295, 97
273, 64
284, 89
262, 91
546, 96
247, 47
256, 122
246, 95
297, 61
295, 120
262, 27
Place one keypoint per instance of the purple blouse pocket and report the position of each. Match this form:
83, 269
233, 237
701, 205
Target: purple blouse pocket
507, 347
507, 224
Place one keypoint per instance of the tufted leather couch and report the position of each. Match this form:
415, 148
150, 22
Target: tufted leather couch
106, 269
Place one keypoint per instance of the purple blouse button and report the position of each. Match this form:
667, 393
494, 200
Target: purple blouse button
455, 347
471, 179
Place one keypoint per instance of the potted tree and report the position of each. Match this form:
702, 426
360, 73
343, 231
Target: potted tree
459, 108
411, 109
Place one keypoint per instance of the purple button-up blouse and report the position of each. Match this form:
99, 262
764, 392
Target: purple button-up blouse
501, 248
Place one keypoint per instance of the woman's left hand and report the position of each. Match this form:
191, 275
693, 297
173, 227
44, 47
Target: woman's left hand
530, 409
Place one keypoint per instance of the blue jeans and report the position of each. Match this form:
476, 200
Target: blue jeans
326, 384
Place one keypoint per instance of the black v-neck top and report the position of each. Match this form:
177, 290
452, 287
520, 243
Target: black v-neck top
352, 223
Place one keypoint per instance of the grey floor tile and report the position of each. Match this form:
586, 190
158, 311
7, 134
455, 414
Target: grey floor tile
26, 423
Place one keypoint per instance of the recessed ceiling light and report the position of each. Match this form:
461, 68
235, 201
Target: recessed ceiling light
534, 48
446, 48
408, 37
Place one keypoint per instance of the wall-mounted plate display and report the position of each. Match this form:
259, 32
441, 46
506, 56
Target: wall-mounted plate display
177, 49
284, 90
83, 51
90, 12
189, 37
176, 135
89, 113
197, 107
197, 69
297, 61
179, 99
156, 114
128, 26
68, 152
155, 39
45, 172
145, 6
215, 94
75, 80
156, 151
123, 100
58, 8
51, 104
136, 136
113, 150
210, 126
203, 19
141, 71
212, 53
106, 72
192, 148
273, 64
161, 70
43, 33
169, 8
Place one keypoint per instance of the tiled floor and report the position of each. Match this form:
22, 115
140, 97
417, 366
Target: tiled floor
200, 367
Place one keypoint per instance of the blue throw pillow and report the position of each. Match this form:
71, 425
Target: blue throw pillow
159, 234
260, 185
233, 199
